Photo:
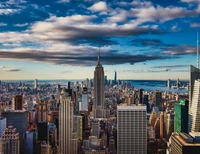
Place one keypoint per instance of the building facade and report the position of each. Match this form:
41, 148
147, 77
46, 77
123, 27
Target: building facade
131, 130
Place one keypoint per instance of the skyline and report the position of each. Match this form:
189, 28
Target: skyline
139, 39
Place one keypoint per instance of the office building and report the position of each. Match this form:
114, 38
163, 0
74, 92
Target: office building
98, 89
146, 102
115, 78
95, 128
140, 93
66, 123
35, 84
17, 102
53, 140
158, 99
19, 120
168, 83
45, 148
10, 141
42, 111
85, 99
2, 125
42, 131
30, 142
181, 116
184, 143
131, 130
169, 125
162, 125
78, 126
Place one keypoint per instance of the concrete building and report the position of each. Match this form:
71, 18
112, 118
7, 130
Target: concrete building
17, 102
98, 90
2, 125
131, 130
42, 111
35, 84
10, 142
162, 125
158, 99
184, 143
140, 93
95, 128
85, 99
66, 124
78, 126
19, 120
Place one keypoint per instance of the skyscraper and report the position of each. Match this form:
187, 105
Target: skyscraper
35, 84
10, 141
141, 95
131, 130
158, 100
17, 102
85, 99
194, 114
181, 117
66, 123
42, 111
19, 120
194, 76
98, 89
115, 77
168, 83
2, 125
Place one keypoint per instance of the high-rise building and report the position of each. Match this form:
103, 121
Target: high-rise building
30, 141
146, 102
194, 75
10, 141
42, 131
78, 126
98, 89
19, 120
85, 99
35, 84
42, 111
95, 128
66, 123
162, 125
185, 143
168, 83
2, 125
140, 93
181, 117
17, 102
105, 80
158, 100
194, 114
131, 130
115, 77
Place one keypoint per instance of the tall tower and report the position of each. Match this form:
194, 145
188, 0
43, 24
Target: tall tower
66, 123
115, 77
131, 130
158, 100
98, 89
2, 125
42, 111
35, 83
85, 99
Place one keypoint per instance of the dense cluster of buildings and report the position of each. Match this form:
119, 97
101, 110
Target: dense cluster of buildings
98, 116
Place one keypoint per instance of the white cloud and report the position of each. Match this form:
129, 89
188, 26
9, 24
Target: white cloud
190, 1
21, 25
10, 69
99, 7
195, 25
138, 3
63, 1
3, 24
8, 11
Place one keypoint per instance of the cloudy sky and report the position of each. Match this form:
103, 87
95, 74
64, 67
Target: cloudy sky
60, 39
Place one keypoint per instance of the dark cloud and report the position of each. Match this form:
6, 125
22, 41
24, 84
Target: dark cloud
171, 66
66, 71
179, 50
78, 59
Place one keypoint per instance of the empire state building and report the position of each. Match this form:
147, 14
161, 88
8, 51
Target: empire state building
99, 90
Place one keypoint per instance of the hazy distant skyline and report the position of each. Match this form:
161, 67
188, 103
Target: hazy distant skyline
59, 39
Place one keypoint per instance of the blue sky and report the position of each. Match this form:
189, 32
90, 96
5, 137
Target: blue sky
59, 39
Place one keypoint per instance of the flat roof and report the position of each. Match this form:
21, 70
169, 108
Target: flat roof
184, 143
131, 107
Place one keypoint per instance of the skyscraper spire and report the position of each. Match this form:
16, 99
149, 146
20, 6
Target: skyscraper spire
197, 50
99, 56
